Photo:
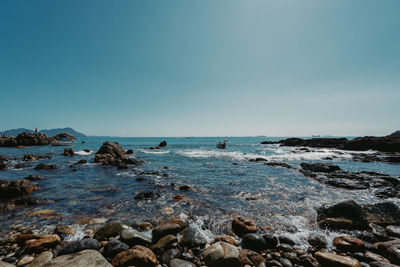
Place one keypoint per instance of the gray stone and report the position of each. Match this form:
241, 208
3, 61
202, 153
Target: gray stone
87, 258
222, 254
6, 264
393, 230
192, 238
42, 259
181, 263
134, 237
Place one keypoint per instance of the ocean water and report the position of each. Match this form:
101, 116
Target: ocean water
224, 184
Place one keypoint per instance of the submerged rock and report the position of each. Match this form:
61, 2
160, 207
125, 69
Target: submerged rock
241, 226
80, 245
43, 166
15, 188
134, 237
111, 229
147, 195
69, 152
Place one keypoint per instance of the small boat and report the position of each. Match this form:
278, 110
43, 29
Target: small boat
63, 143
222, 145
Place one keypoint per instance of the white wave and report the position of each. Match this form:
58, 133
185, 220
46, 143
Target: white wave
203, 153
155, 151
83, 153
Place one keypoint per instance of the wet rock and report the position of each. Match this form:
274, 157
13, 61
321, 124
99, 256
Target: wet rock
41, 260
33, 157
254, 241
242, 226
251, 258
370, 256
111, 229
80, 245
43, 166
285, 247
64, 137
33, 139
348, 244
82, 161
184, 187
258, 160
319, 167
317, 241
309, 261
138, 256
332, 260
147, 195
286, 240
378, 231
164, 243
181, 263
286, 263
393, 230
134, 237
390, 249
69, 152
110, 153
163, 144
34, 178
381, 264
3, 166
42, 244
87, 258
20, 166
384, 144
166, 229
222, 254
15, 188
169, 255
224, 238
6, 264
113, 247
192, 238
279, 164
129, 152
144, 226
65, 230
315, 142
271, 240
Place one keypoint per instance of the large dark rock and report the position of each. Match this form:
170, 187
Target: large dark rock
64, 137
43, 166
315, 142
222, 254
395, 134
15, 188
113, 247
319, 167
192, 238
391, 250
242, 226
350, 215
112, 153
138, 256
32, 157
147, 195
111, 229
33, 139
69, 152
254, 241
384, 144
83, 244
163, 144
169, 228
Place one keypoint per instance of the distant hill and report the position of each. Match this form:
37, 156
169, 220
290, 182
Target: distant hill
395, 134
49, 132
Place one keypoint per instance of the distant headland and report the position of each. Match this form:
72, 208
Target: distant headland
49, 132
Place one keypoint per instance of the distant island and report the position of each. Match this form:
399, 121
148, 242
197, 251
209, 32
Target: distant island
49, 132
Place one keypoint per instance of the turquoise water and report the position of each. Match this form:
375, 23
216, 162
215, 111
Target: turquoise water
224, 183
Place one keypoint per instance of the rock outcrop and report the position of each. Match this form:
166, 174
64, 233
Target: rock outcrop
112, 153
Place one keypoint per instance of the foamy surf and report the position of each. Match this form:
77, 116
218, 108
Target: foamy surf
83, 153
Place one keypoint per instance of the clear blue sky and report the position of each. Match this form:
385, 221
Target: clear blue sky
201, 68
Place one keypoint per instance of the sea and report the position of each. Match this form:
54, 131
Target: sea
224, 183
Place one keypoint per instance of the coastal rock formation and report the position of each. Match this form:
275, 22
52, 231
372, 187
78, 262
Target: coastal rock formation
15, 188
163, 144
390, 143
350, 215
382, 185
43, 166
64, 137
25, 139
112, 153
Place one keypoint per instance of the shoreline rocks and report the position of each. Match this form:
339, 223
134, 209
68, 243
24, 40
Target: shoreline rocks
112, 153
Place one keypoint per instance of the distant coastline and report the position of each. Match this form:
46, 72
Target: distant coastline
49, 132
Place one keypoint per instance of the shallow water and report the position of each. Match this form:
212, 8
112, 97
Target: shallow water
224, 183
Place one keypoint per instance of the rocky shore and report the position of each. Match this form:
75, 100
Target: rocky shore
355, 234
367, 235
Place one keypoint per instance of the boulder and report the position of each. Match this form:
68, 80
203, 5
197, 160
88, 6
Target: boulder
42, 244
163, 144
111, 229
395, 134
167, 256
251, 258
109, 153
384, 144
333, 260
87, 258
317, 241
113, 247
15, 188
134, 237
390, 249
137, 256
80, 245
393, 230
33, 139
32, 157
348, 244
242, 226
181, 263
69, 152
164, 243
43, 166
315, 142
64, 137
166, 229
254, 241
147, 195
319, 167
192, 238
65, 230
41, 260
222, 254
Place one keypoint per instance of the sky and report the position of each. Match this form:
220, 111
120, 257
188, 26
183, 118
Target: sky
201, 68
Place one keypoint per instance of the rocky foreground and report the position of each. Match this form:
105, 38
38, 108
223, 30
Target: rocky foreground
370, 237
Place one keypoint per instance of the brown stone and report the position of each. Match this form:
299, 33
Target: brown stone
332, 260
251, 257
348, 244
137, 256
224, 238
241, 226
44, 243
